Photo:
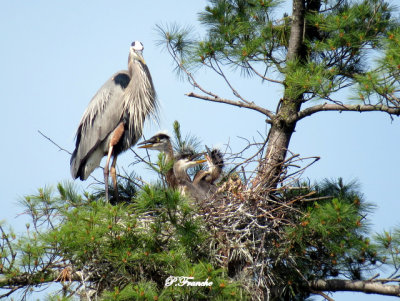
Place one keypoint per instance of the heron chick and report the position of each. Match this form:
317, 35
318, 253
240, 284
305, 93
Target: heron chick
162, 142
114, 118
185, 185
205, 179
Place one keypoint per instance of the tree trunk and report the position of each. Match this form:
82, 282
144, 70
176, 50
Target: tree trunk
278, 143
283, 125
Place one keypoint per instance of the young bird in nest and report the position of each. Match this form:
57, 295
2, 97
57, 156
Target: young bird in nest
185, 185
205, 179
162, 142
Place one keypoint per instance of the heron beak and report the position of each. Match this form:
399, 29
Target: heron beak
200, 161
140, 57
195, 156
208, 154
146, 145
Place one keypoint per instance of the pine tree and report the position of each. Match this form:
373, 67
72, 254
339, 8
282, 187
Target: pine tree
310, 237
257, 238
322, 48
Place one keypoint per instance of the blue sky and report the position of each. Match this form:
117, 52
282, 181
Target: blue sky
56, 54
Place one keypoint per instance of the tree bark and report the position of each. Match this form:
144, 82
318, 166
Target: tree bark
284, 123
369, 287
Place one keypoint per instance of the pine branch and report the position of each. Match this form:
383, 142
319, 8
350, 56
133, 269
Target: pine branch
42, 277
323, 295
369, 287
343, 107
264, 77
250, 106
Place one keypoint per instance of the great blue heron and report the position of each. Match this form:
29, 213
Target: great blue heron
162, 143
113, 120
185, 185
205, 179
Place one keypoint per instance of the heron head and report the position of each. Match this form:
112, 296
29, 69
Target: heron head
214, 157
158, 142
136, 51
188, 160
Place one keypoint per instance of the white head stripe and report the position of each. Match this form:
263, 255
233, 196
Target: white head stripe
138, 46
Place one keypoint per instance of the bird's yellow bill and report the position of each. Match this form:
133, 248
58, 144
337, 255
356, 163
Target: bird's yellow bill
146, 146
142, 60
200, 161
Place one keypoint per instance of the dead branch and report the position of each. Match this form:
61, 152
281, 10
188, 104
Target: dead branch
335, 285
342, 107
250, 106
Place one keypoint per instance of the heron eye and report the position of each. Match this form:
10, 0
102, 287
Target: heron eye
133, 44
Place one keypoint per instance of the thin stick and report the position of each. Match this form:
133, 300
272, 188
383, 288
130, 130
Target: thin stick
59, 147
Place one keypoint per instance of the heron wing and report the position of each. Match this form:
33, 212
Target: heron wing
102, 116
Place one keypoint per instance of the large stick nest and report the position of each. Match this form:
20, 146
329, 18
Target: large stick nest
246, 221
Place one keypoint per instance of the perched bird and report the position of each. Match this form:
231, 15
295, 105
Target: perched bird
205, 179
162, 143
185, 185
113, 120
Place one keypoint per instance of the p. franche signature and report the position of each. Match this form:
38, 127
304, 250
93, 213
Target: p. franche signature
185, 281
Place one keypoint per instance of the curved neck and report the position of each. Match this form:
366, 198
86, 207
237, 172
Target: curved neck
180, 172
169, 152
139, 97
215, 172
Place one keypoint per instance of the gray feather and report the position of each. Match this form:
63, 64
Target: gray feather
101, 117
127, 97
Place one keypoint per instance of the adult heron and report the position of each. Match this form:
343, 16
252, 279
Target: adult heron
113, 120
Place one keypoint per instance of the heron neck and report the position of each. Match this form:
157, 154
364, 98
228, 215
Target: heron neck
169, 153
140, 98
215, 172
180, 173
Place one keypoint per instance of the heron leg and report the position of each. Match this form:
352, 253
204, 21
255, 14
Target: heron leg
106, 168
115, 137
114, 177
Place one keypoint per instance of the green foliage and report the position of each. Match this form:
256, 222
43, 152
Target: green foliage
239, 31
129, 250
339, 39
329, 239
351, 28
127, 186
384, 81
220, 289
162, 167
313, 78
178, 40
389, 246
189, 143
